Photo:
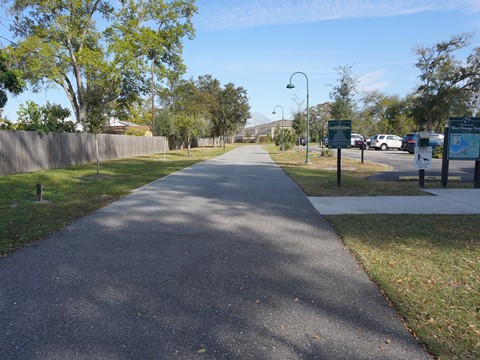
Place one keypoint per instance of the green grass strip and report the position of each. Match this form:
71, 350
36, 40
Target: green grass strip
428, 266
70, 193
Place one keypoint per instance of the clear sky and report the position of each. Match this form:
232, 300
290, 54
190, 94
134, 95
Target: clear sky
259, 44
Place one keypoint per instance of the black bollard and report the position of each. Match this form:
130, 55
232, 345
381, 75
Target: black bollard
421, 178
39, 192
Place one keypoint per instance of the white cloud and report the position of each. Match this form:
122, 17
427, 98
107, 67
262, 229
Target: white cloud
252, 13
473, 5
374, 80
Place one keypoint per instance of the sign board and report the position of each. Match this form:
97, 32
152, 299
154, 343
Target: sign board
422, 158
423, 139
339, 134
464, 139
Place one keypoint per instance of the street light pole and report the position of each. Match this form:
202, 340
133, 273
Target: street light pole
153, 98
291, 86
282, 130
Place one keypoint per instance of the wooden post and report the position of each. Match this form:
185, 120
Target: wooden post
39, 190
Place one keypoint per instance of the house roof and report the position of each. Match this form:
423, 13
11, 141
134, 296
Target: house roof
268, 126
116, 122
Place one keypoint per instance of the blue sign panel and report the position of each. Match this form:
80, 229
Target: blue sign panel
464, 140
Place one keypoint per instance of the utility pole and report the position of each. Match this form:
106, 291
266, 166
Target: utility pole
153, 98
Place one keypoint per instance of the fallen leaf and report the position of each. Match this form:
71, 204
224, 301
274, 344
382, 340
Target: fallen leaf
201, 351
388, 341
316, 337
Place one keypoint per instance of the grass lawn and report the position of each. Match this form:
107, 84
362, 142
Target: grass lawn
428, 266
72, 192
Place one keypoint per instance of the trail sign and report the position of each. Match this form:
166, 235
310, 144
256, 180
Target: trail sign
339, 134
464, 141
422, 157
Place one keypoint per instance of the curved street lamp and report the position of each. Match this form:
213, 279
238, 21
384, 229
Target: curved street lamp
283, 134
291, 86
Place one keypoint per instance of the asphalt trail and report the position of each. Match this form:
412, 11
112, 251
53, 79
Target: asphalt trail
226, 259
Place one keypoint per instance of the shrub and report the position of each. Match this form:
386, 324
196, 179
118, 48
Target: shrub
438, 153
326, 153
135, 131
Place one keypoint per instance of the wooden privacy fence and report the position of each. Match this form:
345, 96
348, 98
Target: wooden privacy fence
26, 151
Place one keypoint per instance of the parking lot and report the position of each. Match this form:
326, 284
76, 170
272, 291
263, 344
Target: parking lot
403, 164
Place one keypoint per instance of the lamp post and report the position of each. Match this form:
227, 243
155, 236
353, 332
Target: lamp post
282, 130
291, 86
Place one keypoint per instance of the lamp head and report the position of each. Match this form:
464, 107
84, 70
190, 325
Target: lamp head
290, 86
273, 112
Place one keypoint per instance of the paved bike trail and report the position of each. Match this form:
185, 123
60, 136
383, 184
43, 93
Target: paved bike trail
226, 259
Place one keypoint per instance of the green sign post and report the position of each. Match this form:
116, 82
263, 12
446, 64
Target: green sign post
339, 137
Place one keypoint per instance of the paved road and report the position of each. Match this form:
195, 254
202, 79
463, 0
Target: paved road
403, 164
224, 260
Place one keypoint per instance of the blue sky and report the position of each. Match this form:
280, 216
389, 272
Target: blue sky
259, 44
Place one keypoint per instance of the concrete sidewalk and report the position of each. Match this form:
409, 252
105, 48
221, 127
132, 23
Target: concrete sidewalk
226, 259
444, 201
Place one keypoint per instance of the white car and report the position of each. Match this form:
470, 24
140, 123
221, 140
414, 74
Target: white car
385, 142
354, 138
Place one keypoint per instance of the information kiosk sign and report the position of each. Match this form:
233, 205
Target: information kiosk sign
339, 134
464, 142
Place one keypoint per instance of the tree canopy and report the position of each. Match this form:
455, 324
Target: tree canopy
343, 94
100, 51
231, 112
447, 87
219, 111
10, 80
44, 119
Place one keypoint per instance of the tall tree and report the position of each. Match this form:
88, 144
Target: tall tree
389, 113
186, 127
209, 90
319, 116
232, 112
190, 111
445, 81
299, 123
183, 100
343, 94
61, 44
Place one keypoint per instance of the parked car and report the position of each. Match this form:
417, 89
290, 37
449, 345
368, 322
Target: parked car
365, 142
354, 138
435, 140
386, 141
410, 141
